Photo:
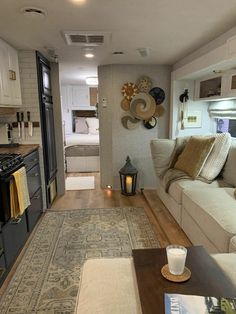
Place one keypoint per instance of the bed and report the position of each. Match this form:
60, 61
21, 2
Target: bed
82, 146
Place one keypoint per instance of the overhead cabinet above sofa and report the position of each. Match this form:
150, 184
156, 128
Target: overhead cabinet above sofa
10, 91
216, 87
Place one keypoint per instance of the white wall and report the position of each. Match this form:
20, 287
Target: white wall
118, 142
177, 88
74, 97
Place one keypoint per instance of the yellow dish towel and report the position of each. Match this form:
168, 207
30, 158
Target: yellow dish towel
19, 193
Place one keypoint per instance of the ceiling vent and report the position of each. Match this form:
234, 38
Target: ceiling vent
86, 39
144, 52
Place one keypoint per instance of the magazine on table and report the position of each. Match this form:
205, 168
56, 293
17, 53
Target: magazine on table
193, 304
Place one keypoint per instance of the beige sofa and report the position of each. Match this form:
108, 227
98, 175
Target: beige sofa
206, 212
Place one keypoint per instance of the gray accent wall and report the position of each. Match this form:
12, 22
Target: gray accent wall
116, 142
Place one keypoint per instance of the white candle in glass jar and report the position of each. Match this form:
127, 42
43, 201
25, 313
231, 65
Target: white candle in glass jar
128, 184
176, 256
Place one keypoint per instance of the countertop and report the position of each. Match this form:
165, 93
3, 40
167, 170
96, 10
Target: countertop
21, 149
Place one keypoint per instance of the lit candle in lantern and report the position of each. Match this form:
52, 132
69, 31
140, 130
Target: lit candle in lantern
128, 184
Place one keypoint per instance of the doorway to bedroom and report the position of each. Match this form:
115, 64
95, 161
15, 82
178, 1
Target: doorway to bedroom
81, 136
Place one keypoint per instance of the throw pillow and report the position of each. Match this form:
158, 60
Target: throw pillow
161, 150
194, 155
229, 173
217, 157
93, 125
81, 126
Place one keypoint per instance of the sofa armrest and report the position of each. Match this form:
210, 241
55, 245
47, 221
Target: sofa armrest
161, 150
232, 245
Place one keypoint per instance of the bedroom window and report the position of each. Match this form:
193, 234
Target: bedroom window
226, 125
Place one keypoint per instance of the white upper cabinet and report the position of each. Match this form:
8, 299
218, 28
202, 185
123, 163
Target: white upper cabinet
230, 84
80, 97
216, 87
10, 91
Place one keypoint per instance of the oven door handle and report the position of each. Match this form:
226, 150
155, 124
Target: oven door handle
9, 177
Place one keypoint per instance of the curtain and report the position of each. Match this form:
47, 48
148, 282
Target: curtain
223, 109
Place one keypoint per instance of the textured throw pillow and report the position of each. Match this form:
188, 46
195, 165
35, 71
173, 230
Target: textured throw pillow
194, 155
161, 150
93, 125
81, 126
229, 171
217, 157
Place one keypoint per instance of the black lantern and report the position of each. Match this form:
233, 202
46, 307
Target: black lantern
128, 178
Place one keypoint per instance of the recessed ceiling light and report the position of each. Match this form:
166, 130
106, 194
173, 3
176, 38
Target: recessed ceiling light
78, 1
118, 53
92, 80
33, 12
89, 55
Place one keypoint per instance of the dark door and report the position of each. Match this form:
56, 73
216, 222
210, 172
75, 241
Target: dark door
50, 152
47, 123
46, 80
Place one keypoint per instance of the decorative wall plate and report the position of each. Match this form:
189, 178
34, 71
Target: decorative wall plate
129, 122
158, 94
150, 124
144, 84
143, 106
160, 110
125, 104
129, 90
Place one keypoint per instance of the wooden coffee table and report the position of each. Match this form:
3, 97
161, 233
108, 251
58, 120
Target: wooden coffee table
207, 278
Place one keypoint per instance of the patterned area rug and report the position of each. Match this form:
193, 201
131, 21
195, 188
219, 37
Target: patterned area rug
47, 278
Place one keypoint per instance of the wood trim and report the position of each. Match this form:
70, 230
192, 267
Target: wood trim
83, 113
7, 111
35, 124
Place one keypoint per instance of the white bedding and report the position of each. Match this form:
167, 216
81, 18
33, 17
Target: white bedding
82, 139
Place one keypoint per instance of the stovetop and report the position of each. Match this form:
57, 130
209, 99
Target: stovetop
9, 162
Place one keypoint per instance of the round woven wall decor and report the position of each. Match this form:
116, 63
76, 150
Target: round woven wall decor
129, 90
143, 106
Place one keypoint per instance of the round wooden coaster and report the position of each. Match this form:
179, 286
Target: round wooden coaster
175, 278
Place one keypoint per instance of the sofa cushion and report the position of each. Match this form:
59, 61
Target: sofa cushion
108, 285
229, 172
227, 263
214, 210
217, 157
177, 187
161, 150
194, 155
232, 245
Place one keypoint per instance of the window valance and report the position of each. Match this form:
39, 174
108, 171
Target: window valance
223, 109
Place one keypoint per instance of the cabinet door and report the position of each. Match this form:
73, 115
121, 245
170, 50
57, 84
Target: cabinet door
80, 97
15, 82
5, 89
230, 84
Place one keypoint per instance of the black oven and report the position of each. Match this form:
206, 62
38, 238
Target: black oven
9, 163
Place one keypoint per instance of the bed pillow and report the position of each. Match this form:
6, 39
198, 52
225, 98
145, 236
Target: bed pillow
194, 155
93, 125
81, 126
